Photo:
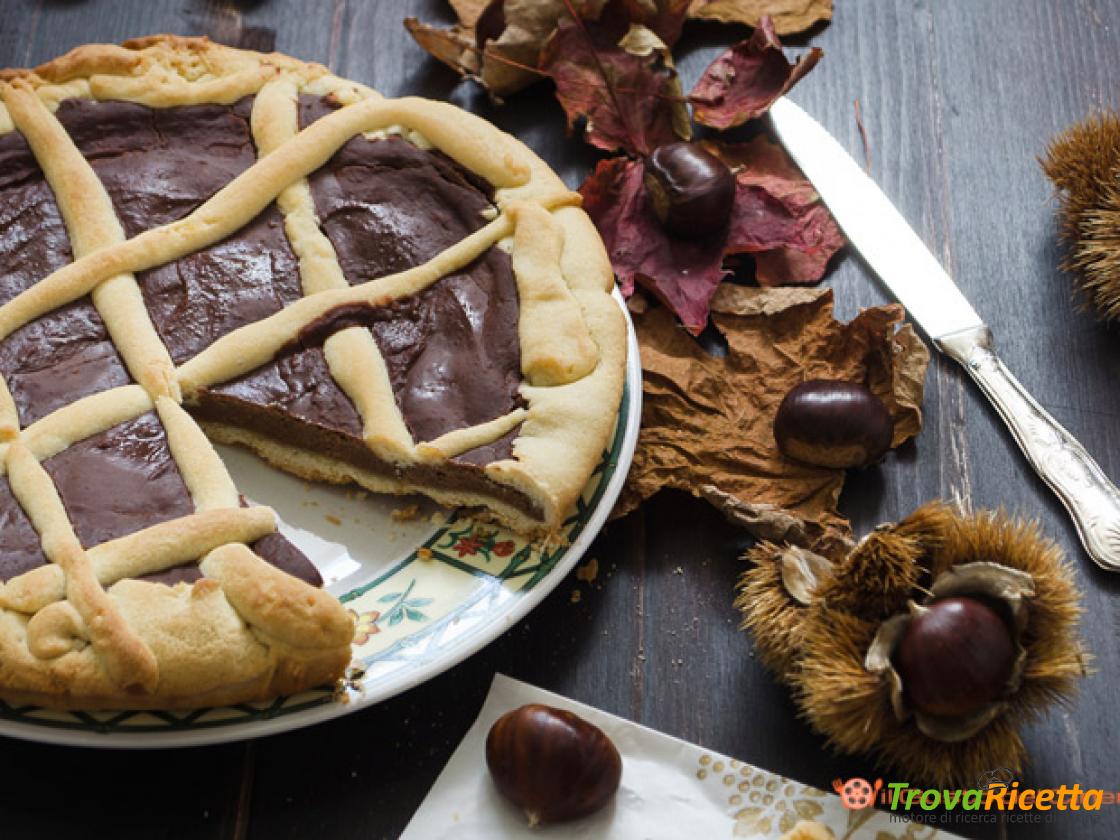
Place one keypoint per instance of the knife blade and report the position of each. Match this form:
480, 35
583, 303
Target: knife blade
905, 265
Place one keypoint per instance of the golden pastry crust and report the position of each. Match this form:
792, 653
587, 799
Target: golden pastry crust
83, 632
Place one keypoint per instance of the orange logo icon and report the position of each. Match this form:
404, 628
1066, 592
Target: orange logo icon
857, 793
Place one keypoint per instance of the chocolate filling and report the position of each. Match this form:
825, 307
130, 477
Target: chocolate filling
66, 354
465, 475
20, 549
452, 351
33, 238
124, 479
120, 481
61, 357
159, 165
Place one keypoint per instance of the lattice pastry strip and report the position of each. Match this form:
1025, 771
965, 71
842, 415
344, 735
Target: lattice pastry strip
121, 641
267, 632
250, 192
354, 360
93, 225
59, 627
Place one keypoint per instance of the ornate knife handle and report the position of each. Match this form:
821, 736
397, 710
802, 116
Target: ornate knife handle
1091, 499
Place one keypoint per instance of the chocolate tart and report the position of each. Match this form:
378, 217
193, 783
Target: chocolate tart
203, 244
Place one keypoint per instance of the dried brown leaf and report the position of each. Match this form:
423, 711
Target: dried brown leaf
707, 423
789, 16
455, 47
499, 43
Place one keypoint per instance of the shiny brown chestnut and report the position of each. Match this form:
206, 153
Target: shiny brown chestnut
956, 657
836, 424
552, 764
692, 191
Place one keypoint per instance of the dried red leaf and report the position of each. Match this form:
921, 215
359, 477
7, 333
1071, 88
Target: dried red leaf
619, 76
664, 17
683, 274
743, 82
791, 245
778, 218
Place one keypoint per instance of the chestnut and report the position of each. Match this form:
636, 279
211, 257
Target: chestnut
692, 191
956, 657
552, 763
836, 424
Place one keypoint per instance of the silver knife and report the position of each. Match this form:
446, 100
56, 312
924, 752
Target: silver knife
888, 244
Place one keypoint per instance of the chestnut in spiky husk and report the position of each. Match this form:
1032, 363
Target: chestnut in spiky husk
840, 653
552, 763
692, 191
1082, 162
773, 593
953, 658
956, 657
835, 424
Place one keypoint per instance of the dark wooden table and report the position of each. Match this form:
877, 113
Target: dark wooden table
958, 99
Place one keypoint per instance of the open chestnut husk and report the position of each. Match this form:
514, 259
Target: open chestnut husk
952, 659
831, 423
955, 587
956, 657
552, 763
692, 191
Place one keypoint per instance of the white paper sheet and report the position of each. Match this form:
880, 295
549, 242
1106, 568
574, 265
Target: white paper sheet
670, 789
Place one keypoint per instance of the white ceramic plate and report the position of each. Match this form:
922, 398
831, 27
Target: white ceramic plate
427, 589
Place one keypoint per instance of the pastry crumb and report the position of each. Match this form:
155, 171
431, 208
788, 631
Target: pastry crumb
424, 554
576, 596
588, 571
331, 518
405, 514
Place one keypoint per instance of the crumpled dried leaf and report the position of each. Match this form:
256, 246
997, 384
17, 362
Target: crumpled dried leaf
778, 217
455, 47
502, 62
790, 16
498, 43
743, 82
619, 76
707, 423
